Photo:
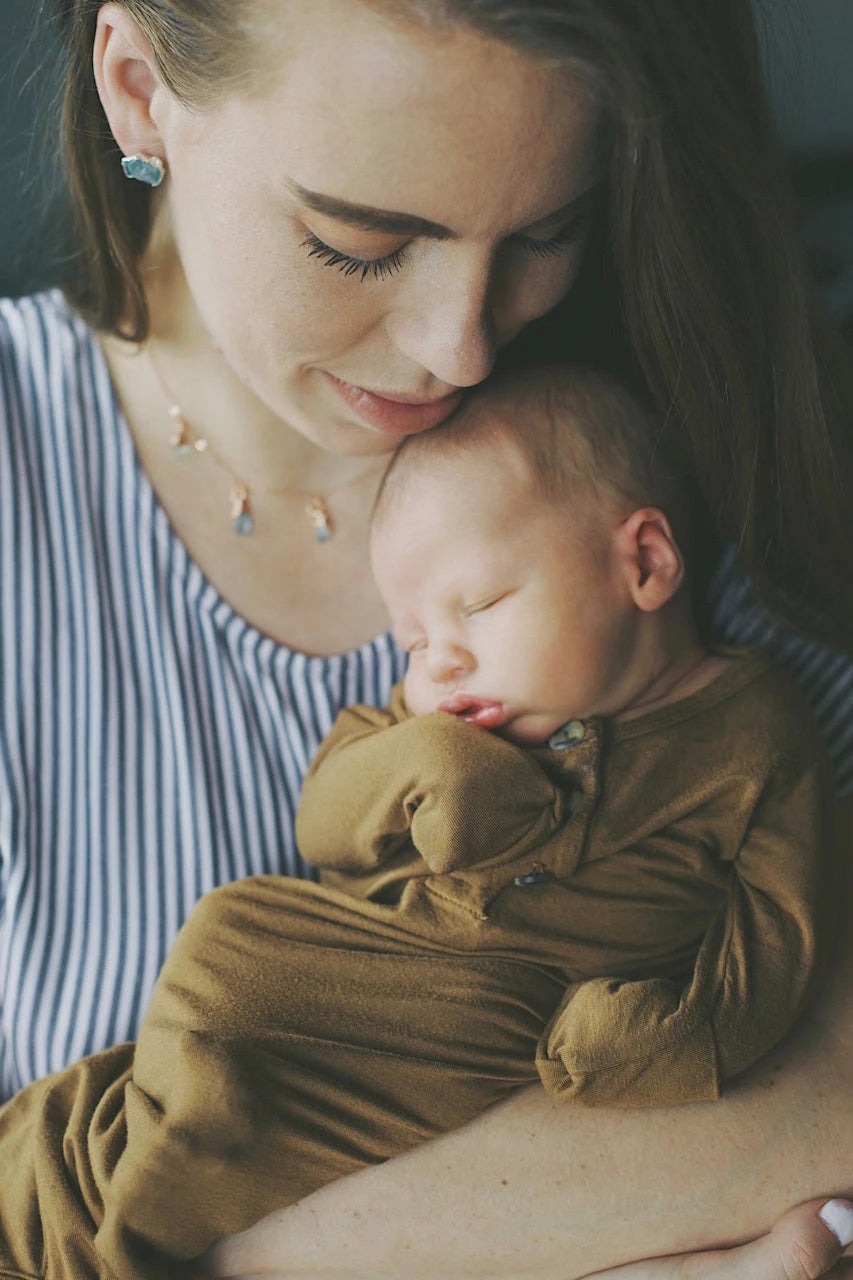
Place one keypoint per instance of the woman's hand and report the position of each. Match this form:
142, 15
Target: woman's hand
806, 1243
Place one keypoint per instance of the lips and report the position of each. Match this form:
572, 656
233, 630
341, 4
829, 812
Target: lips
486, 713
400, 415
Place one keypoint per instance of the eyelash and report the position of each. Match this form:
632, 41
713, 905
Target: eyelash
391, 263
379, 268
559, 242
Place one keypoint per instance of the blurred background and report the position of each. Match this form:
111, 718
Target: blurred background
808, 47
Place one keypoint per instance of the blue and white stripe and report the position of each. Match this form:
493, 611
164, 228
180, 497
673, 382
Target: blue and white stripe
152, 744
825, 676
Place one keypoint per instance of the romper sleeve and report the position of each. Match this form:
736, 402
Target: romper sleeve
651, 1043
385, 779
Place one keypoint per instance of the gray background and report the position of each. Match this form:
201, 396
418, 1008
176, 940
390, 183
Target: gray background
809, 49
809, 55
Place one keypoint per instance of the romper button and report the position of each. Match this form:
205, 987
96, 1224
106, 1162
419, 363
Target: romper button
534, 877
568, 735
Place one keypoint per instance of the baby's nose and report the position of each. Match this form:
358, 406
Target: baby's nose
447, 662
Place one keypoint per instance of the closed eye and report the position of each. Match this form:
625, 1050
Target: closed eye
377, 268
389, 264
552, 245
483, 605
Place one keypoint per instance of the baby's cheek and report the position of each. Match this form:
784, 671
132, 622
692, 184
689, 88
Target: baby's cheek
420, 692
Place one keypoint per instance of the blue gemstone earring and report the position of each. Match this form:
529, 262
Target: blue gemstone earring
148, 169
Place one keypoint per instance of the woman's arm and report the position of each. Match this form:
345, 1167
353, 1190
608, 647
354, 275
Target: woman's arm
800, 1247
537, 1190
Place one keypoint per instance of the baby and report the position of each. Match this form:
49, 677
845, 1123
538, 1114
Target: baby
579, 847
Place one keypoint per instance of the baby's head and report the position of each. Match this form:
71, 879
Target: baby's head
528, 556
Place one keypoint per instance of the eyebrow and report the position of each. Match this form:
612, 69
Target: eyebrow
366, 218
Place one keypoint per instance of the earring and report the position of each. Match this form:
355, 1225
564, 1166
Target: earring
148, 169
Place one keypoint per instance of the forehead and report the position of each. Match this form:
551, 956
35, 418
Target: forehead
450, 510
458, 127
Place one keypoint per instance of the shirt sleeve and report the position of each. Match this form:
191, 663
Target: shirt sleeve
651, 1043
456, 792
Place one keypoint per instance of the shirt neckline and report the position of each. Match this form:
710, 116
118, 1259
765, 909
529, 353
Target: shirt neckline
221, 611
749, 664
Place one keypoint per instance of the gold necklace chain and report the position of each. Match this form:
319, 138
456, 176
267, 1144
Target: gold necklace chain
185, 441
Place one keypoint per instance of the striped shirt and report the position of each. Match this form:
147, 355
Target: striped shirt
152, 743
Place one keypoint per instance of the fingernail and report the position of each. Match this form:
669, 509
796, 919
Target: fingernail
838, 1216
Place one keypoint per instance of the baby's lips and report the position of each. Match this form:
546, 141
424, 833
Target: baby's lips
483, 712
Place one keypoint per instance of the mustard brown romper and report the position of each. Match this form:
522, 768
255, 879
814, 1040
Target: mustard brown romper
632, 914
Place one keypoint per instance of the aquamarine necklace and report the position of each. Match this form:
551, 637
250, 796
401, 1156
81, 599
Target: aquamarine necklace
185, 442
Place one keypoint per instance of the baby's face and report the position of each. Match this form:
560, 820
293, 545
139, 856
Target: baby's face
514, 615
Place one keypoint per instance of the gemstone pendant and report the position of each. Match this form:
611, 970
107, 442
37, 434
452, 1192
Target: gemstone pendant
241, 515
180, 437
321, 518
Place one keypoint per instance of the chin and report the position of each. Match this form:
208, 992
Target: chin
529, 733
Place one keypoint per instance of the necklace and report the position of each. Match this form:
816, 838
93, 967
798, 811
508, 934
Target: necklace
185, 441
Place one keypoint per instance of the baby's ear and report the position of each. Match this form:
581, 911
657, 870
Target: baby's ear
649, 558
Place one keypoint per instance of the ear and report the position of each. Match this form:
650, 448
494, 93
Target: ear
649, 558
127, 81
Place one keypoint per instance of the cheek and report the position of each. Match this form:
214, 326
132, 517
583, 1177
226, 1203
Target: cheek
266, 303
419, 694
226, 272
325, 311
540, 288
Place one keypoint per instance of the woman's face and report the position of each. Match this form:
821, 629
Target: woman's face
360, 236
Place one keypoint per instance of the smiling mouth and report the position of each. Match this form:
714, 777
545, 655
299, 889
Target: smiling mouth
486, 713
397, 415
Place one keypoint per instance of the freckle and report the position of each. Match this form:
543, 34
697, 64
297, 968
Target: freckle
504, 1182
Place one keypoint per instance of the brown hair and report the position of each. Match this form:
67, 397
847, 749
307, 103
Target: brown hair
201, 51
698, 278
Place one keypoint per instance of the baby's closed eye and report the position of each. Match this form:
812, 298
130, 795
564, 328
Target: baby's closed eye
481, 606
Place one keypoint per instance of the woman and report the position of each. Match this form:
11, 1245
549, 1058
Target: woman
362, 205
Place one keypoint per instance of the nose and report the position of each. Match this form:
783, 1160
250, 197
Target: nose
447, 661
446, 324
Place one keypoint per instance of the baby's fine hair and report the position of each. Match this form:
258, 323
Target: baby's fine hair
583, 434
